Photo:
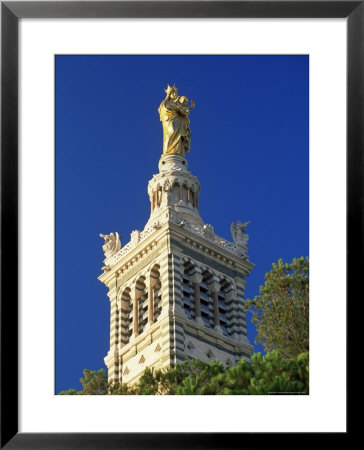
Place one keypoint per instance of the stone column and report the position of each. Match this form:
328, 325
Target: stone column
215, 288
181, 192
136, 312
123, 326
151, 284
112, 358
240, 332
153, 201
114, 313
196, 279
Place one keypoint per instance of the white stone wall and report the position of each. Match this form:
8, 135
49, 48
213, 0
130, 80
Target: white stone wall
196, 349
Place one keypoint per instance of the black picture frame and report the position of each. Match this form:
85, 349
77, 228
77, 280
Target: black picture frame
11, 12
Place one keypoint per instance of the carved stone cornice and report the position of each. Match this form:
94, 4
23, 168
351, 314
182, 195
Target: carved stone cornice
135, 267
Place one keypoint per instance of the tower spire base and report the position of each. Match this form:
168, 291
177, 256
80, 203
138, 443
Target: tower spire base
172, 162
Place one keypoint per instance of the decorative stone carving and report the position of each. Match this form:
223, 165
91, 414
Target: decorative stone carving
208, 231
135, 237
167, 187
112, 244
240, 238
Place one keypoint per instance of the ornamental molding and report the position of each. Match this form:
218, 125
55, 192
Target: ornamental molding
136, 238
173, 177
205, 232
133, 267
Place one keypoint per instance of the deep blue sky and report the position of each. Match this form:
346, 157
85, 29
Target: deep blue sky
249, 150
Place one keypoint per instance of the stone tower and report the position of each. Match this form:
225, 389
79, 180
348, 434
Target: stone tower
176, 289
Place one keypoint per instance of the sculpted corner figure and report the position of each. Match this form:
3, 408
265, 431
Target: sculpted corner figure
112, 244
173, 112
240, 238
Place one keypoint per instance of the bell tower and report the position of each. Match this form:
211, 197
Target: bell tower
176, 289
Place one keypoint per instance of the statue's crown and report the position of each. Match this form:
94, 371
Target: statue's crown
170, 89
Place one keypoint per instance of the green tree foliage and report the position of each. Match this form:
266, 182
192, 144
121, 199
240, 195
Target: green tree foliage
94, 382
121, 389
69, 392
264, 375
281, 311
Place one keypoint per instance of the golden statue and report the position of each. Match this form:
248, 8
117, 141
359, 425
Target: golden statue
173, 112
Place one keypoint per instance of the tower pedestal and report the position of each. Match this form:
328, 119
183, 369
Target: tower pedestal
172, 163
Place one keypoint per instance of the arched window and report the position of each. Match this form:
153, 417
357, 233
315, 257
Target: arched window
188, 292
126, 317
175, 193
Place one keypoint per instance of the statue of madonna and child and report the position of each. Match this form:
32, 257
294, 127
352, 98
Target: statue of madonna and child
173, 112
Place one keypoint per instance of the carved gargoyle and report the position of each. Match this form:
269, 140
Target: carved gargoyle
112, 244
